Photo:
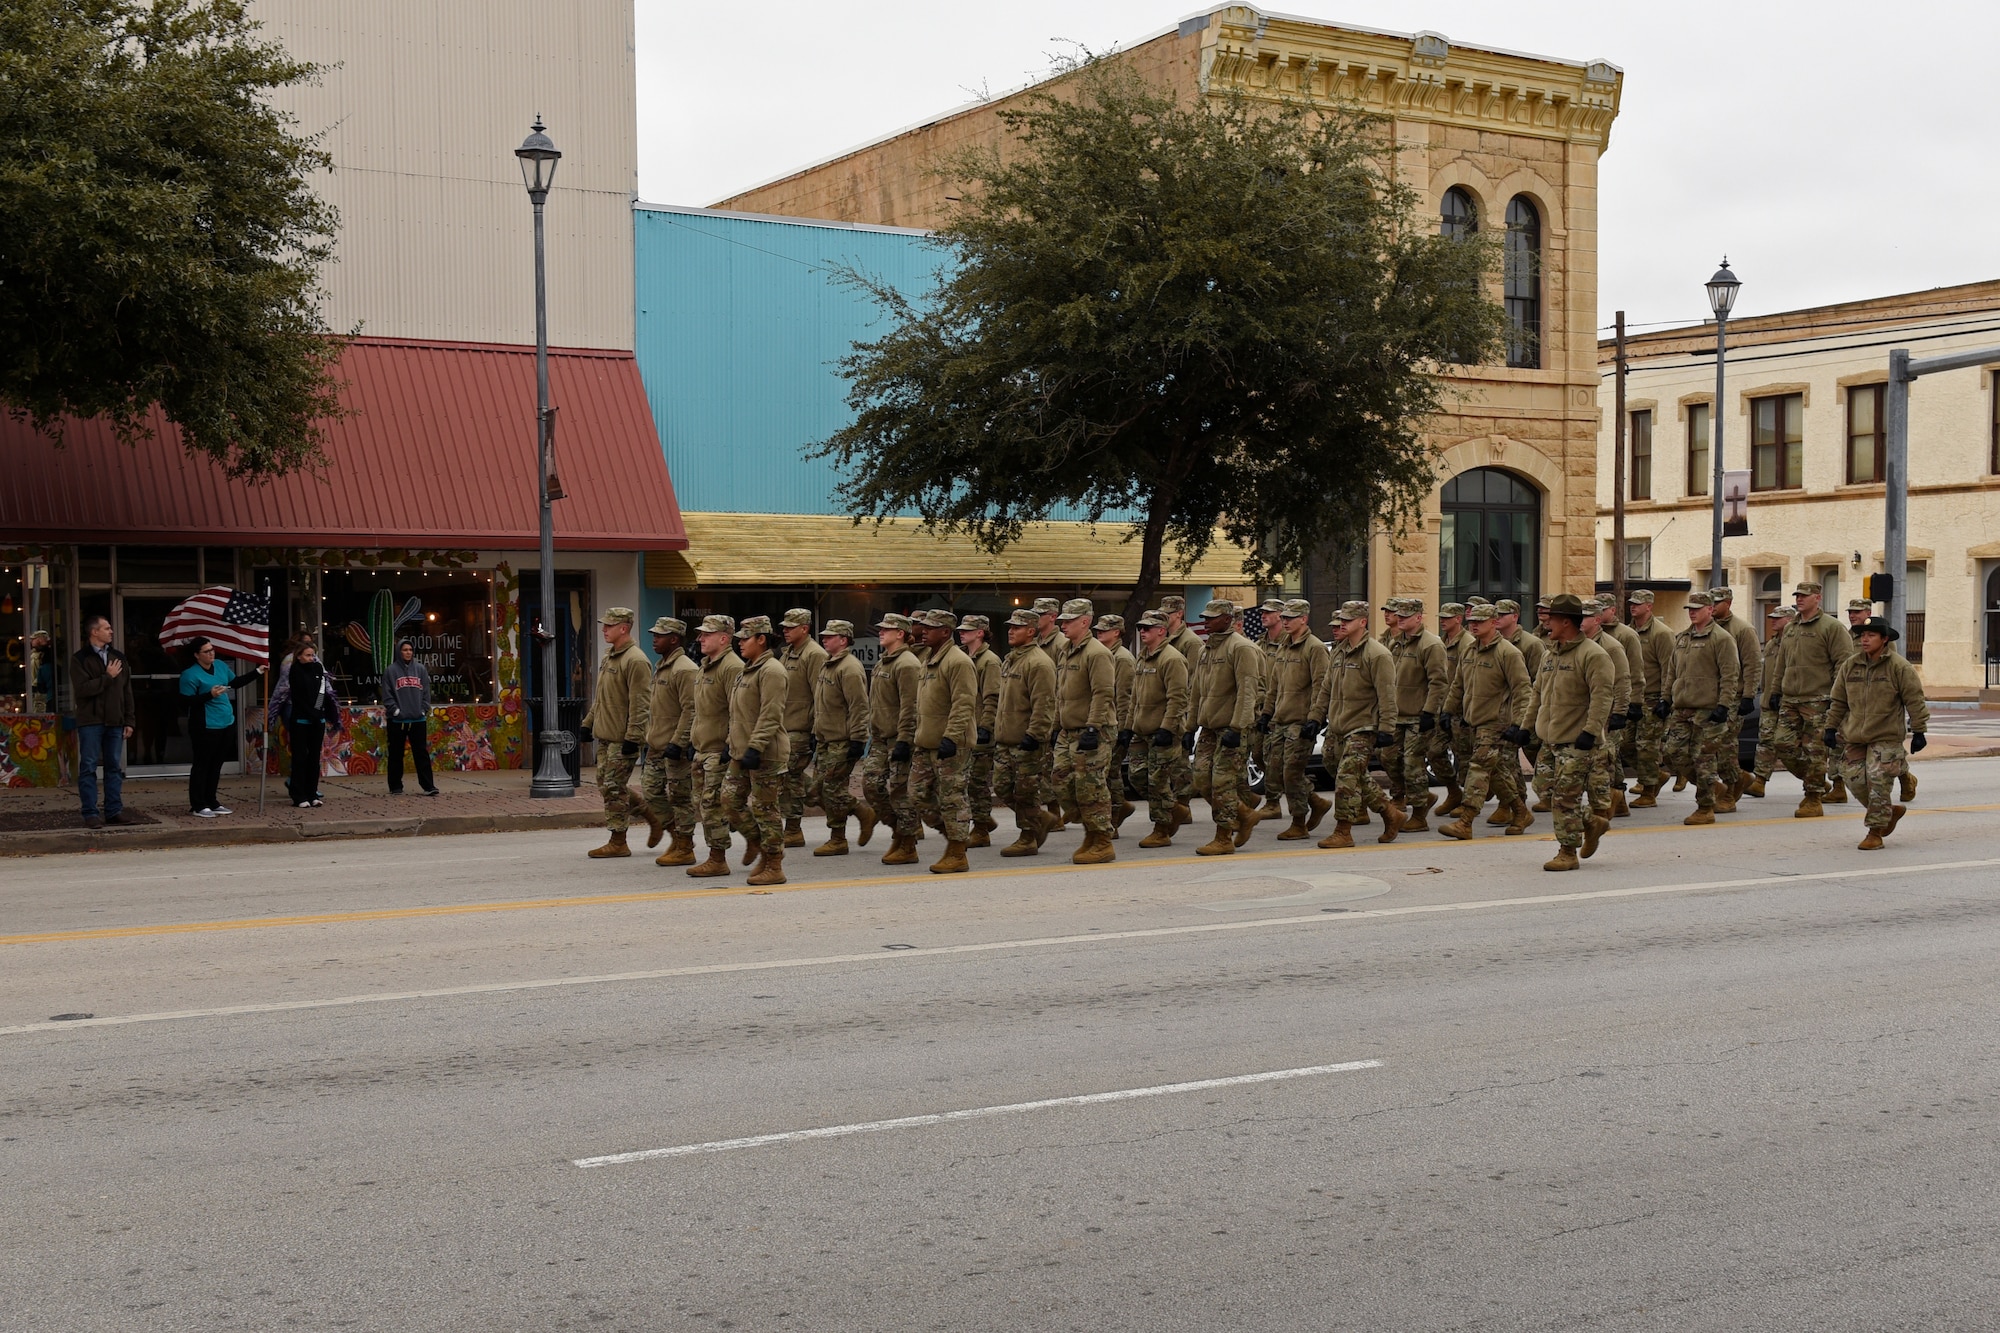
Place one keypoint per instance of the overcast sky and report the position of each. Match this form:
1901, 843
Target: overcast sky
1831, 156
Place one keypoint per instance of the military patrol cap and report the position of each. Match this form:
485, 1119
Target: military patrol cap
1478, 601
1480, 613
843, 628
1700, 599
1639, 597
1219, 608
1544, 604
1413, 606
1295, 607
1592, 605
1450, 609
617, 615
1172, 604
1392, 606
668, 625
797, 617
1107, 622
1152, 618
1723, 594
980, 623
1355, 610
1273, 606
1857, 604
1806, 589
753, 626
1075, 607
1566, 604
718, 625
1875, 625
1023, 616
1782, 613
1047, 606
1506, 606
893, 620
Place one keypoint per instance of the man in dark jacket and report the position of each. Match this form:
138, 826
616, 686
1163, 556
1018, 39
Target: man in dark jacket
406, 699
103, 690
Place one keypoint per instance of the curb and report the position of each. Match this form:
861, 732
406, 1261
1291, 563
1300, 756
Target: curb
59, 841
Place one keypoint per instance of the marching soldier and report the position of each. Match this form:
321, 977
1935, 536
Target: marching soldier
1572, 716
947, 720
1635, 709
1422, 677
1451, 755
1876, 697
973, 634
1776, 621
1815, 648
1705, 678
840, 734
803, 660
1222, 690
668, 783
1025, 715
1159, 716
892, 734
1649, 687
1050, 640
720, 666
1858, 613
1750, 662
1607, 785
1494, 703
1187, 643
617, 721
754, 788
1297, 704
1086, 690
1110, 631
1534, 651
1360, 718
1265, 805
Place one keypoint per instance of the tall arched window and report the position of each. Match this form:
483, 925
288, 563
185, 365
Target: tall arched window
1491, 538
1458, 216
1524, 282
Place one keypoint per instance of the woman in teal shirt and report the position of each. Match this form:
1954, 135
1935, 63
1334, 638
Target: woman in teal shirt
211, 721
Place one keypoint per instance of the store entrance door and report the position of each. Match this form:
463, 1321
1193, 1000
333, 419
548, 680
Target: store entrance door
160, 746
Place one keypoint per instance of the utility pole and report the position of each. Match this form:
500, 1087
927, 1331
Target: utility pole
1896, 465
1618, 480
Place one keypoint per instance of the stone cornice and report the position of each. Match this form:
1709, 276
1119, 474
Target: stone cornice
1421, 76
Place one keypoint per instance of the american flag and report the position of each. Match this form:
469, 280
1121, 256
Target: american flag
238, 623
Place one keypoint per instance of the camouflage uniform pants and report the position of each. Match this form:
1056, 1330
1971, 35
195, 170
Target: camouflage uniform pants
1080, 781
1694, 749
1646, 740
1727, 770
1218, 776
1287, 751
797, 789
1568, 786
1114, 772
710, 768
1604, 774
1413, 750
1390, 756
886, 786
1799, 741
1874, 768
1545, 770
1258, 743
1180, 766
614, 770
1017, 779
1495, 766
1445, 766
831, 771
1048, 771
937, 790
1153, 770
979, 784
669, 788
1767, 757
751, 802
1354, 792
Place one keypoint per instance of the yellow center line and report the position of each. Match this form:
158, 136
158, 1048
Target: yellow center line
739, 890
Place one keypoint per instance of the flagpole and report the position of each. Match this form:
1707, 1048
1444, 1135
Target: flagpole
264, 748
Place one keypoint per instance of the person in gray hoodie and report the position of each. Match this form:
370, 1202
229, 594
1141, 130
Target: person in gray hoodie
406, 698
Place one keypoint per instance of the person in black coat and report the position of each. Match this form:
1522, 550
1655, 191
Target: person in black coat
310, 708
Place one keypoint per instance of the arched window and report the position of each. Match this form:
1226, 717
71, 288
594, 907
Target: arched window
1491, 539
1458, 216
1523, 271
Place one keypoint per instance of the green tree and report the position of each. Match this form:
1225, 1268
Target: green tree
159, 242
1217, 315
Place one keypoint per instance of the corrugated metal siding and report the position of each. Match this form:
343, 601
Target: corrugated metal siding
741, 325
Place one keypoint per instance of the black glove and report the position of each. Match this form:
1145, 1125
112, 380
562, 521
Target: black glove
984, 735
855, 749
1309, 731
1445, 720
1917, 742
1633, 712
901, 754
1162, 739
947, 747
1585, 741
1514, 735
1771, 704
812, 745
1832, 739
1719, 713
1385, 738
1230, 738
628, 748
1088, 740
1029, 745
1616, 722
1263, 722
1427, 721
752, 760
1663, 709
1745, 707
670, 752
1125, 736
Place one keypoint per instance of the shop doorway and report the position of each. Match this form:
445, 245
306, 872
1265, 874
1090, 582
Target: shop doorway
160, 746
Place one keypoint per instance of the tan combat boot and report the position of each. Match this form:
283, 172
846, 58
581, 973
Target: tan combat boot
1460, 828
1342, 836
1121, 810
1318, 805
680, 852
1247, 820
1896, 813
1594, 828
1565, 859
1908, 783
770, 868
1809, 808
952, 862
902, 851
1502, 814
1222, 844
1704, 815
1523, 819
1680, 783
1295, 832
836, 838
716, 864
656, 828
982, 832
1541, 805
866, 814
1871, 843
1619, 809
1725, 798
1161, 836
1453, 798
752, 849
1028, 841
1648, 797
794, 835
1393, 818
1837, 796
1096, 850
614, 845
1055, 819
1754, 786
1413, 819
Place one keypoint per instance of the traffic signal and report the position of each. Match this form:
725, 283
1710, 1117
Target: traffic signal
1881, 588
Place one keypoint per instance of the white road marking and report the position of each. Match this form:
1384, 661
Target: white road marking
993, 946
977, 1113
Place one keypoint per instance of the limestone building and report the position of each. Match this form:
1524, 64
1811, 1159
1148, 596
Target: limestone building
1803, 412
1495, 141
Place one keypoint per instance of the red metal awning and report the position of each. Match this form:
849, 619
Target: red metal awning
438, 450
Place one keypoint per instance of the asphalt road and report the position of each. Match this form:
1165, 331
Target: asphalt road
1727, 1078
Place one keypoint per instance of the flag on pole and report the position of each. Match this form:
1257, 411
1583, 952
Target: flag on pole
238, 623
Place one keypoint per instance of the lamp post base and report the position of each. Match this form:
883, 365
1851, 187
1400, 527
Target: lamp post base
551, 778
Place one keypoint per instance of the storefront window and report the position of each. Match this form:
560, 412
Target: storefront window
448, 617
31, 635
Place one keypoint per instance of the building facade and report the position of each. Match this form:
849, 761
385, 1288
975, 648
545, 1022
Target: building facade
1494, 140
1803, 413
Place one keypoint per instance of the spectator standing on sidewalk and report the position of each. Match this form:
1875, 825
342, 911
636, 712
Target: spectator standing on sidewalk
310, 708
207, 686
103, 723
406, 699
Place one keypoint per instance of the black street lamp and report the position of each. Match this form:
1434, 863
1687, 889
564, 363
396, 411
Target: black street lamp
538, 157
1721, 298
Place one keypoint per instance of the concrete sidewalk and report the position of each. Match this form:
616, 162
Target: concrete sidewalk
45, 820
